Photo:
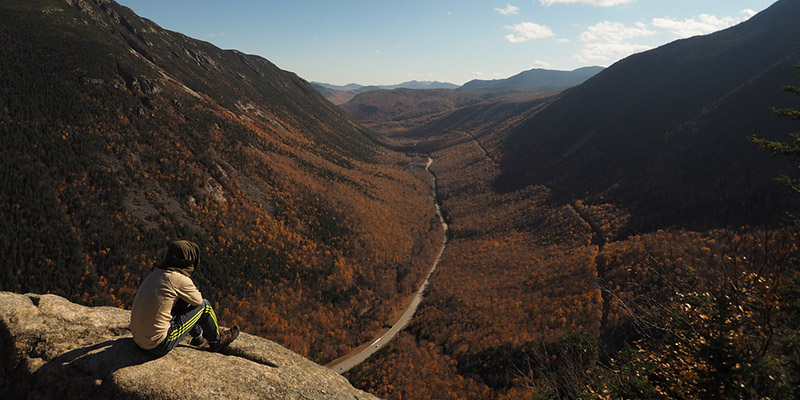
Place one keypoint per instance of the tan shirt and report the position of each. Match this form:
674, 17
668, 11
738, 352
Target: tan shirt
150, 317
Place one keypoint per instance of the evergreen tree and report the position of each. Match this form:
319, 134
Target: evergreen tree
792, 148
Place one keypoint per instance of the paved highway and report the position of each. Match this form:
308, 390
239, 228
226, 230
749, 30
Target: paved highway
363, 352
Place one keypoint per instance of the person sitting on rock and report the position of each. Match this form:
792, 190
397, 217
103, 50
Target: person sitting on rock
168, 306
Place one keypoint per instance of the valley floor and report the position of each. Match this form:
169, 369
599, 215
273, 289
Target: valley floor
537, 293
361, 353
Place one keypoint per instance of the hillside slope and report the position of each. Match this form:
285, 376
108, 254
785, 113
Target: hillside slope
433, 112
118, 136
590, 255
404, 105
666, 130
335, 96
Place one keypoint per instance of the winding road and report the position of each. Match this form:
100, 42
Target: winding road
363, 352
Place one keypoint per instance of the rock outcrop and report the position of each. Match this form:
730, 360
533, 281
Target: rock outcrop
52, 348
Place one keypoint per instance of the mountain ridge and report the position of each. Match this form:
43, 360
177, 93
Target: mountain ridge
405, 109
537, 79
413, 84
666, 103
530, 81
340, 94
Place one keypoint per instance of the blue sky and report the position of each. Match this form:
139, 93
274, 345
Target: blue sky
385, 42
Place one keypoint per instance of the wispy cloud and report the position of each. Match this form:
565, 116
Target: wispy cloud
481, 74
216, 35
596, 3
540, 64
527, 31
509, 10
607, 31
607, 41
699, 25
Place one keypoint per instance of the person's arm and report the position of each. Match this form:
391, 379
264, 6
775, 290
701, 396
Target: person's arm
187, 291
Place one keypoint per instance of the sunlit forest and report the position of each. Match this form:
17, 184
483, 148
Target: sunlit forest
312, 234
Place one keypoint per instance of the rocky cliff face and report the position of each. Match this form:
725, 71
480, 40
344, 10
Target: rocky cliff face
52, 348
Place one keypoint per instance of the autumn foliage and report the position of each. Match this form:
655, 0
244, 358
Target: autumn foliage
539, 296
118, 137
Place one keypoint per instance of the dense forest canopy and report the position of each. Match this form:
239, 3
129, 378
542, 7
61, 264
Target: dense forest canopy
118, 136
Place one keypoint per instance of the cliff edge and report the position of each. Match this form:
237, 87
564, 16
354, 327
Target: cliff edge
52, 348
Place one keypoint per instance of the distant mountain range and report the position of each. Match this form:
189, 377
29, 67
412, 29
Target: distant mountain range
535, 80
532, 81
405, 108
354, 87
340, 94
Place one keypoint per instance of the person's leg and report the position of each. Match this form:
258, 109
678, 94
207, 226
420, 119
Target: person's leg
201, 315
208, 322
196, 331
211, 332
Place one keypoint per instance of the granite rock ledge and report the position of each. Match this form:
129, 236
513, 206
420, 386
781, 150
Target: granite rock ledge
55, 349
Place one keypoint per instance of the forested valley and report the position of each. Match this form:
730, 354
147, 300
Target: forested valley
541, 297
624, 238
603, 248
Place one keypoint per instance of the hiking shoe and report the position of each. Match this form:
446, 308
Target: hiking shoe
198, 341
225, 338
